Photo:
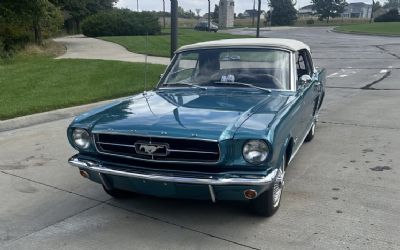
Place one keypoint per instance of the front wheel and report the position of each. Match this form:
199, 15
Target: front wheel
311, 133
268, 202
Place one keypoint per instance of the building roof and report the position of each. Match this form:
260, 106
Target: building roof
289, 44
310, 6
359, 4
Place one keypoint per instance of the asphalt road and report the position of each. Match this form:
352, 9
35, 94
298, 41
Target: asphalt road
342, 189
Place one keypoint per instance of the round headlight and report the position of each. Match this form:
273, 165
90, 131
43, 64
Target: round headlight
81, 138
255, 151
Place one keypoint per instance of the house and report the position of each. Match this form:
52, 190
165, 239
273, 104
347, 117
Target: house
357, 10
306, 11
252, 13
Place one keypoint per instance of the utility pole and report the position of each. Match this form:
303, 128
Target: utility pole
137, 5
372, 12
163, 12
209, 16
258, 18
174, 26
252, 14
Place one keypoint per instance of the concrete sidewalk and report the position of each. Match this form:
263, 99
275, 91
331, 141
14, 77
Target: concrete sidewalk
82, 47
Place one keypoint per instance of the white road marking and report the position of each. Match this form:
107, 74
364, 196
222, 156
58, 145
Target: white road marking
343, 72
333, 74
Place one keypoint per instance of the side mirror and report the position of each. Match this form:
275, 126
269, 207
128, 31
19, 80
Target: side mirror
304, 80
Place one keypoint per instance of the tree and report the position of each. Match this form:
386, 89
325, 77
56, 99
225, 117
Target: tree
283, 12
392, 4
77, 10
215, 14
329, 8
376, 6
185, 14
390, 16
198, 12
36, 15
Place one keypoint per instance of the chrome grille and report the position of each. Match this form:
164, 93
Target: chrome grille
178, 150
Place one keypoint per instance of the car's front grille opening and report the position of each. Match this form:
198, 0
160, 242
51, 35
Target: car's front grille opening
158, 148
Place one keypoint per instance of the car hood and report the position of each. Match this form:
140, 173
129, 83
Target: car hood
207, 114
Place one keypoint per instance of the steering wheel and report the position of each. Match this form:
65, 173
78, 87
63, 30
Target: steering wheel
275, 80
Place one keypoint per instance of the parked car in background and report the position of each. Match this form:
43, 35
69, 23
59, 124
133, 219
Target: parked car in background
203, 26
224, 122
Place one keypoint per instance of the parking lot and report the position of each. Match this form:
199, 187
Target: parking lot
342, 190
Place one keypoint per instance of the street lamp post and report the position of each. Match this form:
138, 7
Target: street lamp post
258, 18
209, 16
174, 26
271, 9
252, 14
164, 13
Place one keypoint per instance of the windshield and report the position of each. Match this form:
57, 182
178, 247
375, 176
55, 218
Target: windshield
258, 67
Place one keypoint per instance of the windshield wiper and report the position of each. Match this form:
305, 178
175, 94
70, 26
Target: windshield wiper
188, 84
244, 84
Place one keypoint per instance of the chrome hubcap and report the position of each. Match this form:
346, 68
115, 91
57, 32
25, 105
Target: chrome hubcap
313, 129
278, 185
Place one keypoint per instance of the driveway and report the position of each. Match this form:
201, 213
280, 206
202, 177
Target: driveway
82, 47
342, 189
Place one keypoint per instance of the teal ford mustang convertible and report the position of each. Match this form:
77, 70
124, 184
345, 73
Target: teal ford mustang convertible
224, 122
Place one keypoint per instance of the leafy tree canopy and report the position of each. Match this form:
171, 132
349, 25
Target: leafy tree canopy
392, 4
329, 8
283, 12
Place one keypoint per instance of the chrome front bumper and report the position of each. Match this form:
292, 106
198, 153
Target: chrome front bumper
246, 180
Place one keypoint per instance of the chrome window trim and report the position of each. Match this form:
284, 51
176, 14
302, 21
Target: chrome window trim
291, 54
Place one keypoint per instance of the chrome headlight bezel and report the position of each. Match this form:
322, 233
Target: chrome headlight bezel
81, 138
256, 151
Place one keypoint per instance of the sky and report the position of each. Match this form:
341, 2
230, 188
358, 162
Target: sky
240, 5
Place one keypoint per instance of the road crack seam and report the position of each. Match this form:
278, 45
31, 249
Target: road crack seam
50, 186
181, 226
369, 86
387, 51
59, 221
118, 207
357, 125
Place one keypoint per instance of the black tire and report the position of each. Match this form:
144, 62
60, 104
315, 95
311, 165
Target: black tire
265, 204
118, 193
311, 133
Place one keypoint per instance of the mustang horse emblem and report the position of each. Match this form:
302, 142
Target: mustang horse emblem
150, 149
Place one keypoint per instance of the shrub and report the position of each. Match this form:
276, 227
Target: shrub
391, 16
12, 38
310, 21
119, 22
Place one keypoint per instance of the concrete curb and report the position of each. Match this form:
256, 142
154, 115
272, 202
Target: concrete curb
54, 115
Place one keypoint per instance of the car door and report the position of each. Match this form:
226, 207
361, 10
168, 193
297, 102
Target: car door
309, 88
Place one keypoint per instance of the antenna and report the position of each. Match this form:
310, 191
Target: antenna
145, 62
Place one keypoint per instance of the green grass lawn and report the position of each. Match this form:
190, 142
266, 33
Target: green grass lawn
160, 45
373, 28
32, 84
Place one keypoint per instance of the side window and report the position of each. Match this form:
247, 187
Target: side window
310, 63
303, 63
185, 69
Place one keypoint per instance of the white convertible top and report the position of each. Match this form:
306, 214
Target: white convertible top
289, 44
